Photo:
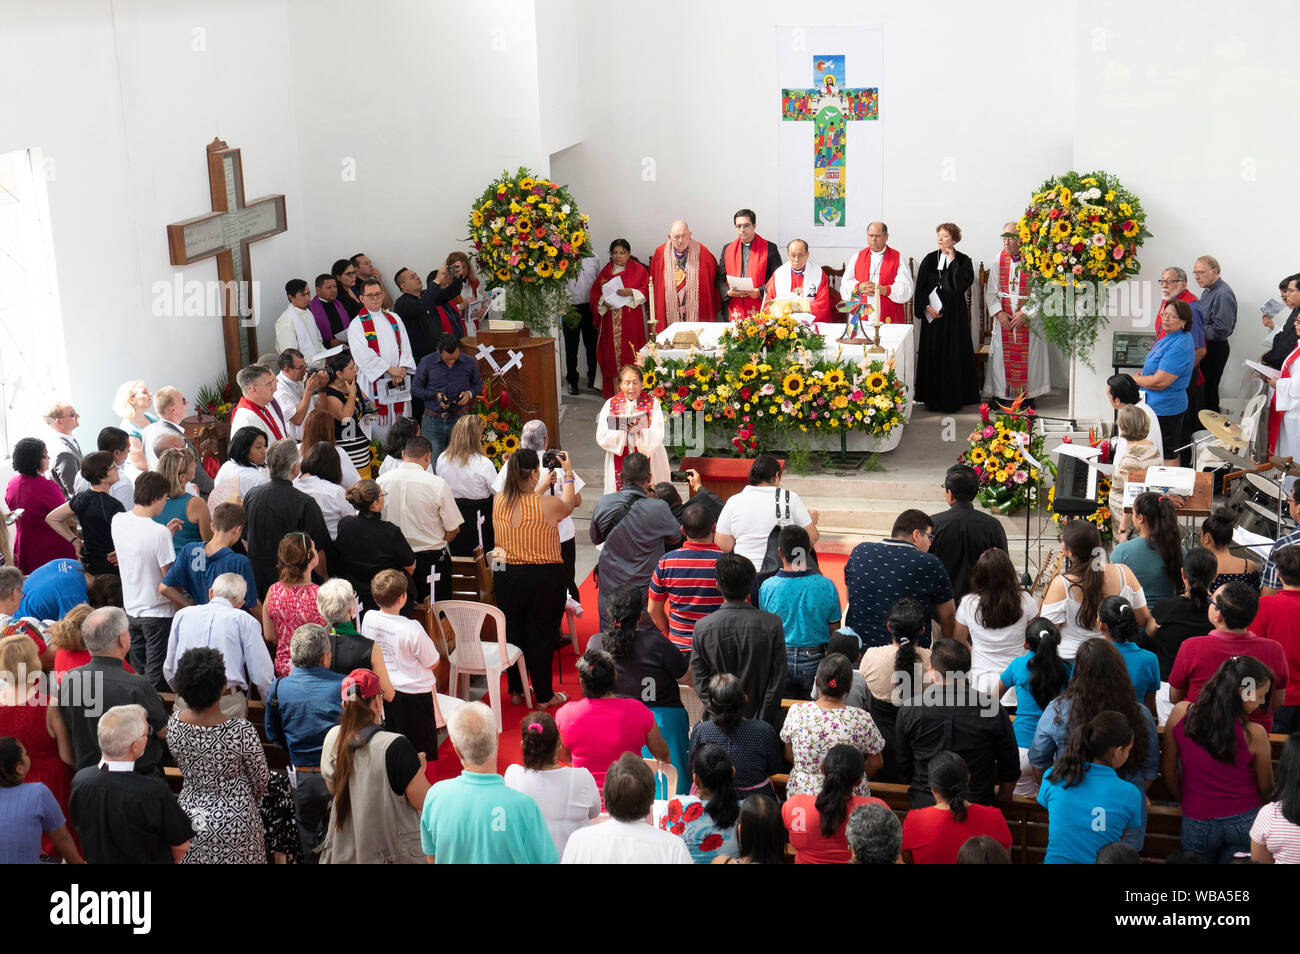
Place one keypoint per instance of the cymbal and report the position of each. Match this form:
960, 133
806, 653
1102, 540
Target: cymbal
1288, 466
1222, 428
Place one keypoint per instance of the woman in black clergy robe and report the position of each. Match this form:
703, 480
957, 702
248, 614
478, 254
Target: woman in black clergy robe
945, 364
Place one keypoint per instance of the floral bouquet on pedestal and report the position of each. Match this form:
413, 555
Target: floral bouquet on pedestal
1008, 483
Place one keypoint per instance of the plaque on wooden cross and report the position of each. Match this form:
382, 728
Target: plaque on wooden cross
226, 233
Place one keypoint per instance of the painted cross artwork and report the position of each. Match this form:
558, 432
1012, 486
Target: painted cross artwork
830, 107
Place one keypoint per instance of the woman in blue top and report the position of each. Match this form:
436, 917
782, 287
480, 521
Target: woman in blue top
1038, 677
177, 465
1088, 804
706, 821
1100, 683
1120, 626
1156, 556
1166, 373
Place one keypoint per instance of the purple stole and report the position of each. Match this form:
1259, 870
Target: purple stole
327, 331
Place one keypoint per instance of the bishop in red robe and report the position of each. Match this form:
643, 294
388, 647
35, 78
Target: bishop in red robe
749, 256
879, 271
683, 272
800, 278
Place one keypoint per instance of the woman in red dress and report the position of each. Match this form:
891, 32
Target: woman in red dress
620, 332
35, 542
27, 715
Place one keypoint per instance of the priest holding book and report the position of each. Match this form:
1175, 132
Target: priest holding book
751, 257
632, 420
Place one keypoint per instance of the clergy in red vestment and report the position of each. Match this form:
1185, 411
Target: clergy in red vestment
879, 271
684, 269
620, 331
801, 278
751, 256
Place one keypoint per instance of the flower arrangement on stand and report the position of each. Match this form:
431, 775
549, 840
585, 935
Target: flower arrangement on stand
217, 399
528, 238
1079, 234
1008, 483
766, 388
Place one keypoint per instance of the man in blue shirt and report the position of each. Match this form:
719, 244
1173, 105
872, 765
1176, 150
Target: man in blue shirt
474, 818
1220, 307
300, 708
809, 606
51, 590
199, 564
446, 382
878, 575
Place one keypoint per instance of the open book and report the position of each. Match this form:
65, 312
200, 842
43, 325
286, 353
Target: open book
623, 422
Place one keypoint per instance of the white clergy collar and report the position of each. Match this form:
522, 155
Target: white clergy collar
109, 765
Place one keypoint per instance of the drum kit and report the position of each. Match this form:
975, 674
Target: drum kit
1259, 497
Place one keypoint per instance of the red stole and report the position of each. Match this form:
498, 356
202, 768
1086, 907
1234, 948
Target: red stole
891, 312
618, 405
738, 308
372, 339
1274, 415
273, 426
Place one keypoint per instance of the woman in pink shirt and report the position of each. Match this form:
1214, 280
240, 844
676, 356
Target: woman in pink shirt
1218, 761
600, 727
35, 541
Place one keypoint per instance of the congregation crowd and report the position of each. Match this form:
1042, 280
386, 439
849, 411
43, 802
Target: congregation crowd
145, 604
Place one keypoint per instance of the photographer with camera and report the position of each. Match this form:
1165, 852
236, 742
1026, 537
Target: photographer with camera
446, 382
295, 389
528, 572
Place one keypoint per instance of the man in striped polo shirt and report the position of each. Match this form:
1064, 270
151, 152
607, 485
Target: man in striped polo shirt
684, 587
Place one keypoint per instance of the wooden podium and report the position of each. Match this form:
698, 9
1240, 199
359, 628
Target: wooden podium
531, 386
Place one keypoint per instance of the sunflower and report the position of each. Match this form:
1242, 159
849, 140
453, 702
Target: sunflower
875, 382
526, 183
835, 376
577, 238
1061, 229
476, 218
748, 372
649, 380
793, 383
503, 274
510, 443
524, 225
544, 270
491, 449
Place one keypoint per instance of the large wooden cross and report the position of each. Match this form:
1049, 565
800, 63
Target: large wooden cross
829, 106
227, 233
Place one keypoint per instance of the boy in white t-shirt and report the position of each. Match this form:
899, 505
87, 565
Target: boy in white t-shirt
144, 555
410, 656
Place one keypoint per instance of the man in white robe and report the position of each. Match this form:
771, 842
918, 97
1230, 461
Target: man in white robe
1284, 410
381, 348
296, 326
1006, 297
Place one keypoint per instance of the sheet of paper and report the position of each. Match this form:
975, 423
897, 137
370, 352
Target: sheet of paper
1132, 490
743, 283
1270, 373
327, 353
935, 301
1257, 543
1271, 307
610, 292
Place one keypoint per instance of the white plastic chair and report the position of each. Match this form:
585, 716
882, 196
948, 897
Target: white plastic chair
444, 707
668, 772
691, 702
472, 655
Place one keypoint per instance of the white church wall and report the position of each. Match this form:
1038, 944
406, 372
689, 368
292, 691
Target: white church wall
1190, 108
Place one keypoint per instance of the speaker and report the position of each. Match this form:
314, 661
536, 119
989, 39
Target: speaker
1076, 488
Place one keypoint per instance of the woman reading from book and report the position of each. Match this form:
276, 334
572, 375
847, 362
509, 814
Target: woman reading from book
631, 420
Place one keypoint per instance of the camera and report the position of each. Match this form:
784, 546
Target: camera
680, 476
551, 459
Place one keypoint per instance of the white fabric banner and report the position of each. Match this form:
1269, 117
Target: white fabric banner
831, 156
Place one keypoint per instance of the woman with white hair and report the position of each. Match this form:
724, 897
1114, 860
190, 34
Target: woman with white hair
349, 650
534, 437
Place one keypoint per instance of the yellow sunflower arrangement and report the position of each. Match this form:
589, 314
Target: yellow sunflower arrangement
527, 233
1007, 481
793, 384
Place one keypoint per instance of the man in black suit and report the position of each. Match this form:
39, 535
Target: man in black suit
962, 533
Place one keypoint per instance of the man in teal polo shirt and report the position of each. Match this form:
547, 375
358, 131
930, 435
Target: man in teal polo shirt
474, 818
809, 606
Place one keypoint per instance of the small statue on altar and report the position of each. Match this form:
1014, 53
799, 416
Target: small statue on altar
860, 312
